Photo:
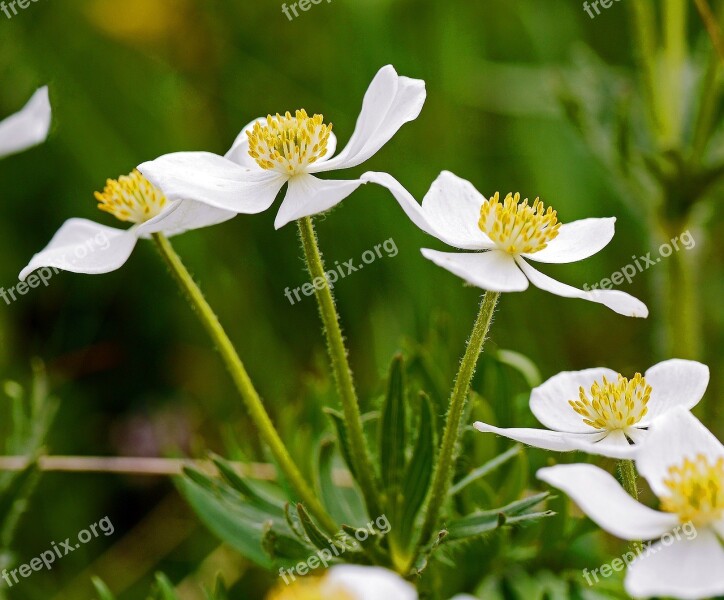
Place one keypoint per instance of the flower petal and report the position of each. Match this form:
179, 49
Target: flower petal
576, 241
239, 151
675, 382
390, 102
491, 270
213, 180
549, 401
686, 568
308, 195
183, 215
601, 497
83, 246
617, 301
674, 436
28, 127
613, 445
366, 583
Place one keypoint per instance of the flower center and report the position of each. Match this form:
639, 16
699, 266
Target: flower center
696, 490
516, 227
309, 588
131, 198
614, 405
289, 144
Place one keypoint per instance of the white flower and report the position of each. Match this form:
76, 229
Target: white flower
506, 235
275, 150
602, 412
683, 464
83, 246
348, 582
28, 127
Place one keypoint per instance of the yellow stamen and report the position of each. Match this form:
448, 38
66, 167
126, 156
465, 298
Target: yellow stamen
696, 490
309, 588
289, 144
518, 228
614, 405
131, 198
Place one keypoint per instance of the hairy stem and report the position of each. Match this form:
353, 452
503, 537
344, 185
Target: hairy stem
359, 450
627, 472
442, 477
243, 384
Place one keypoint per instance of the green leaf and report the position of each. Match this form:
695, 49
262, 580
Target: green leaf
521, 363
102, 589
419, 470
344, 504
315, 535
246, 487
483, 522
342, 439
392, 433
165, 588
488, 467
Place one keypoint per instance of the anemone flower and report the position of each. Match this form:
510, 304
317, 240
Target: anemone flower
26, 128
683, 464
290, 148
84, 246
602, 412
506, 235
348, 582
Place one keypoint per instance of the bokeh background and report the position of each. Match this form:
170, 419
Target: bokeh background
133, 79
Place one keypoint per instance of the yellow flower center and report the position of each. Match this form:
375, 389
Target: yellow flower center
289, 144
516, 227
309, 588
614, 405
131, 198
696, 490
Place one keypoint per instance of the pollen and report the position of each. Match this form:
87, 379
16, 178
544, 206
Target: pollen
696, 490
131, 198
613, 405
309, 588
289, 144
517, 227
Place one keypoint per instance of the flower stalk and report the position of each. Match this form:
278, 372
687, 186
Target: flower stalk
243, 383
627, 473
359, 450
442, 477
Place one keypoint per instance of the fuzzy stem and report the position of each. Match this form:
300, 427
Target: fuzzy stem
442, 477
360, 454
627, 472
243, 383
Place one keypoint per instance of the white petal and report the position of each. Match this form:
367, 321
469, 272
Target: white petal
366, 583
239, 151
685, 568
83, 246
673, 437
613, 445
576, 241
308, 195
491, 270
184, 215
675, 382
213, 180
549, 401
601, 497
28, 127
452, 206
620, 302
390, 102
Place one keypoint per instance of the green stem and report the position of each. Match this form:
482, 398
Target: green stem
243, 384
672, 97
627, 472
359, 450
442, 477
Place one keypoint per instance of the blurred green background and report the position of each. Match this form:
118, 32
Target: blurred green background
133, 79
